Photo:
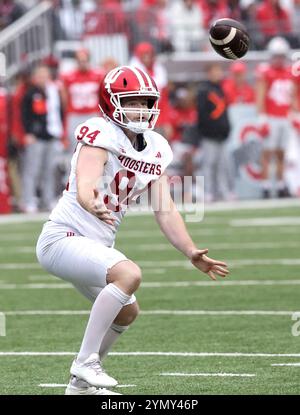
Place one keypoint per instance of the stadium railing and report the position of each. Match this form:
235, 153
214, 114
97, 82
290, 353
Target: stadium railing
27, 40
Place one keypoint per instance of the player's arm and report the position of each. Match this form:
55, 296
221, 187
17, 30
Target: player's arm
89, 172
294, 98
261, 90
173, 227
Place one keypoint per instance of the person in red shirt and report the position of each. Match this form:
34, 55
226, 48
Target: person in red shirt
144, 57
183, 120
213, 10
17, 133
4, 182
276, 98
273, 19
236, 87
80, 95
182, 113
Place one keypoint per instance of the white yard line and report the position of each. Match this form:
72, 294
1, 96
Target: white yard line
222, 246
167, 247
63, 385
157, 312
179, 263
199, 231
18, 237
229, 283
210, 232
42, 277
270, 221
27, 265
215, 207
232, 262
152, 284
217, 312
235, 375
18, 250
286, 364
40, 286
22, 217
264, 261
175, 354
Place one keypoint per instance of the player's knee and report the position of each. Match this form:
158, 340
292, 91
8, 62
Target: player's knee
136, 275
127, 275
280, 155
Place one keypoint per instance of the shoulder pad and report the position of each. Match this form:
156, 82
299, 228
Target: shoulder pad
97, 132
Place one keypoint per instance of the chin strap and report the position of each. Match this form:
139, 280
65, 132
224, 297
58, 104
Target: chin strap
138, 127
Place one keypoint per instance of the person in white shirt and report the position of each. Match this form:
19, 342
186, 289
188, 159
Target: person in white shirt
118, 156
187, 26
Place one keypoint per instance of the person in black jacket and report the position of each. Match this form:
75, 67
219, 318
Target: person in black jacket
42, 123
214, 128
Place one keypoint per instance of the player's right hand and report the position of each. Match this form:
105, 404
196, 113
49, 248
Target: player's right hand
98, 208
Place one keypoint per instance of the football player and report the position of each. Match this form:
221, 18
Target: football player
118, 156
276, 100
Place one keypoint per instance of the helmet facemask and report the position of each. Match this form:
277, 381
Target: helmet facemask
147, 116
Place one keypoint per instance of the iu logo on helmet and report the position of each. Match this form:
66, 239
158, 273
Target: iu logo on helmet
111, 77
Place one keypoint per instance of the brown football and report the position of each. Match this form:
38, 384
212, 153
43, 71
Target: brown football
229, 38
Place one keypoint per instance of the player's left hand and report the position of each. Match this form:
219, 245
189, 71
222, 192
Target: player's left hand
209, 266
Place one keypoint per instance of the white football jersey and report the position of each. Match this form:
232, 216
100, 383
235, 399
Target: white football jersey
126, 175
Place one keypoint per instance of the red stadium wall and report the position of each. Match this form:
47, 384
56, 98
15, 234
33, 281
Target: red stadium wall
5, 206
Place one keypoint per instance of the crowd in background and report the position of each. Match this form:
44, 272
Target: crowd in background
177, 25
46, 104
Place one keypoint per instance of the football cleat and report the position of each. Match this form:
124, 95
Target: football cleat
92, 372
282, 193
80, 387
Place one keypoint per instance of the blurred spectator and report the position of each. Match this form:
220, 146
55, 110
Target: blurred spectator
22, 83
80, 95
108, 17
182, 113
149, 2
213, 124
213, 10
17, 134
71, 18
151, 22
234, 9
248, 16
145, 58
273, 19
183, 118
187, 25
237, 89
4, 183
10, 11
42, 123
52, 63
276, 97
108, 64
296, 16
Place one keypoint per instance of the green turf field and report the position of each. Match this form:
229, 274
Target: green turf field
183, 328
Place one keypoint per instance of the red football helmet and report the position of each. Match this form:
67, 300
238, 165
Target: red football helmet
126, 82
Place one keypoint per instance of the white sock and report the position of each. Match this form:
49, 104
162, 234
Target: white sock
105, 309
267, 184
111, 336
280, 185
